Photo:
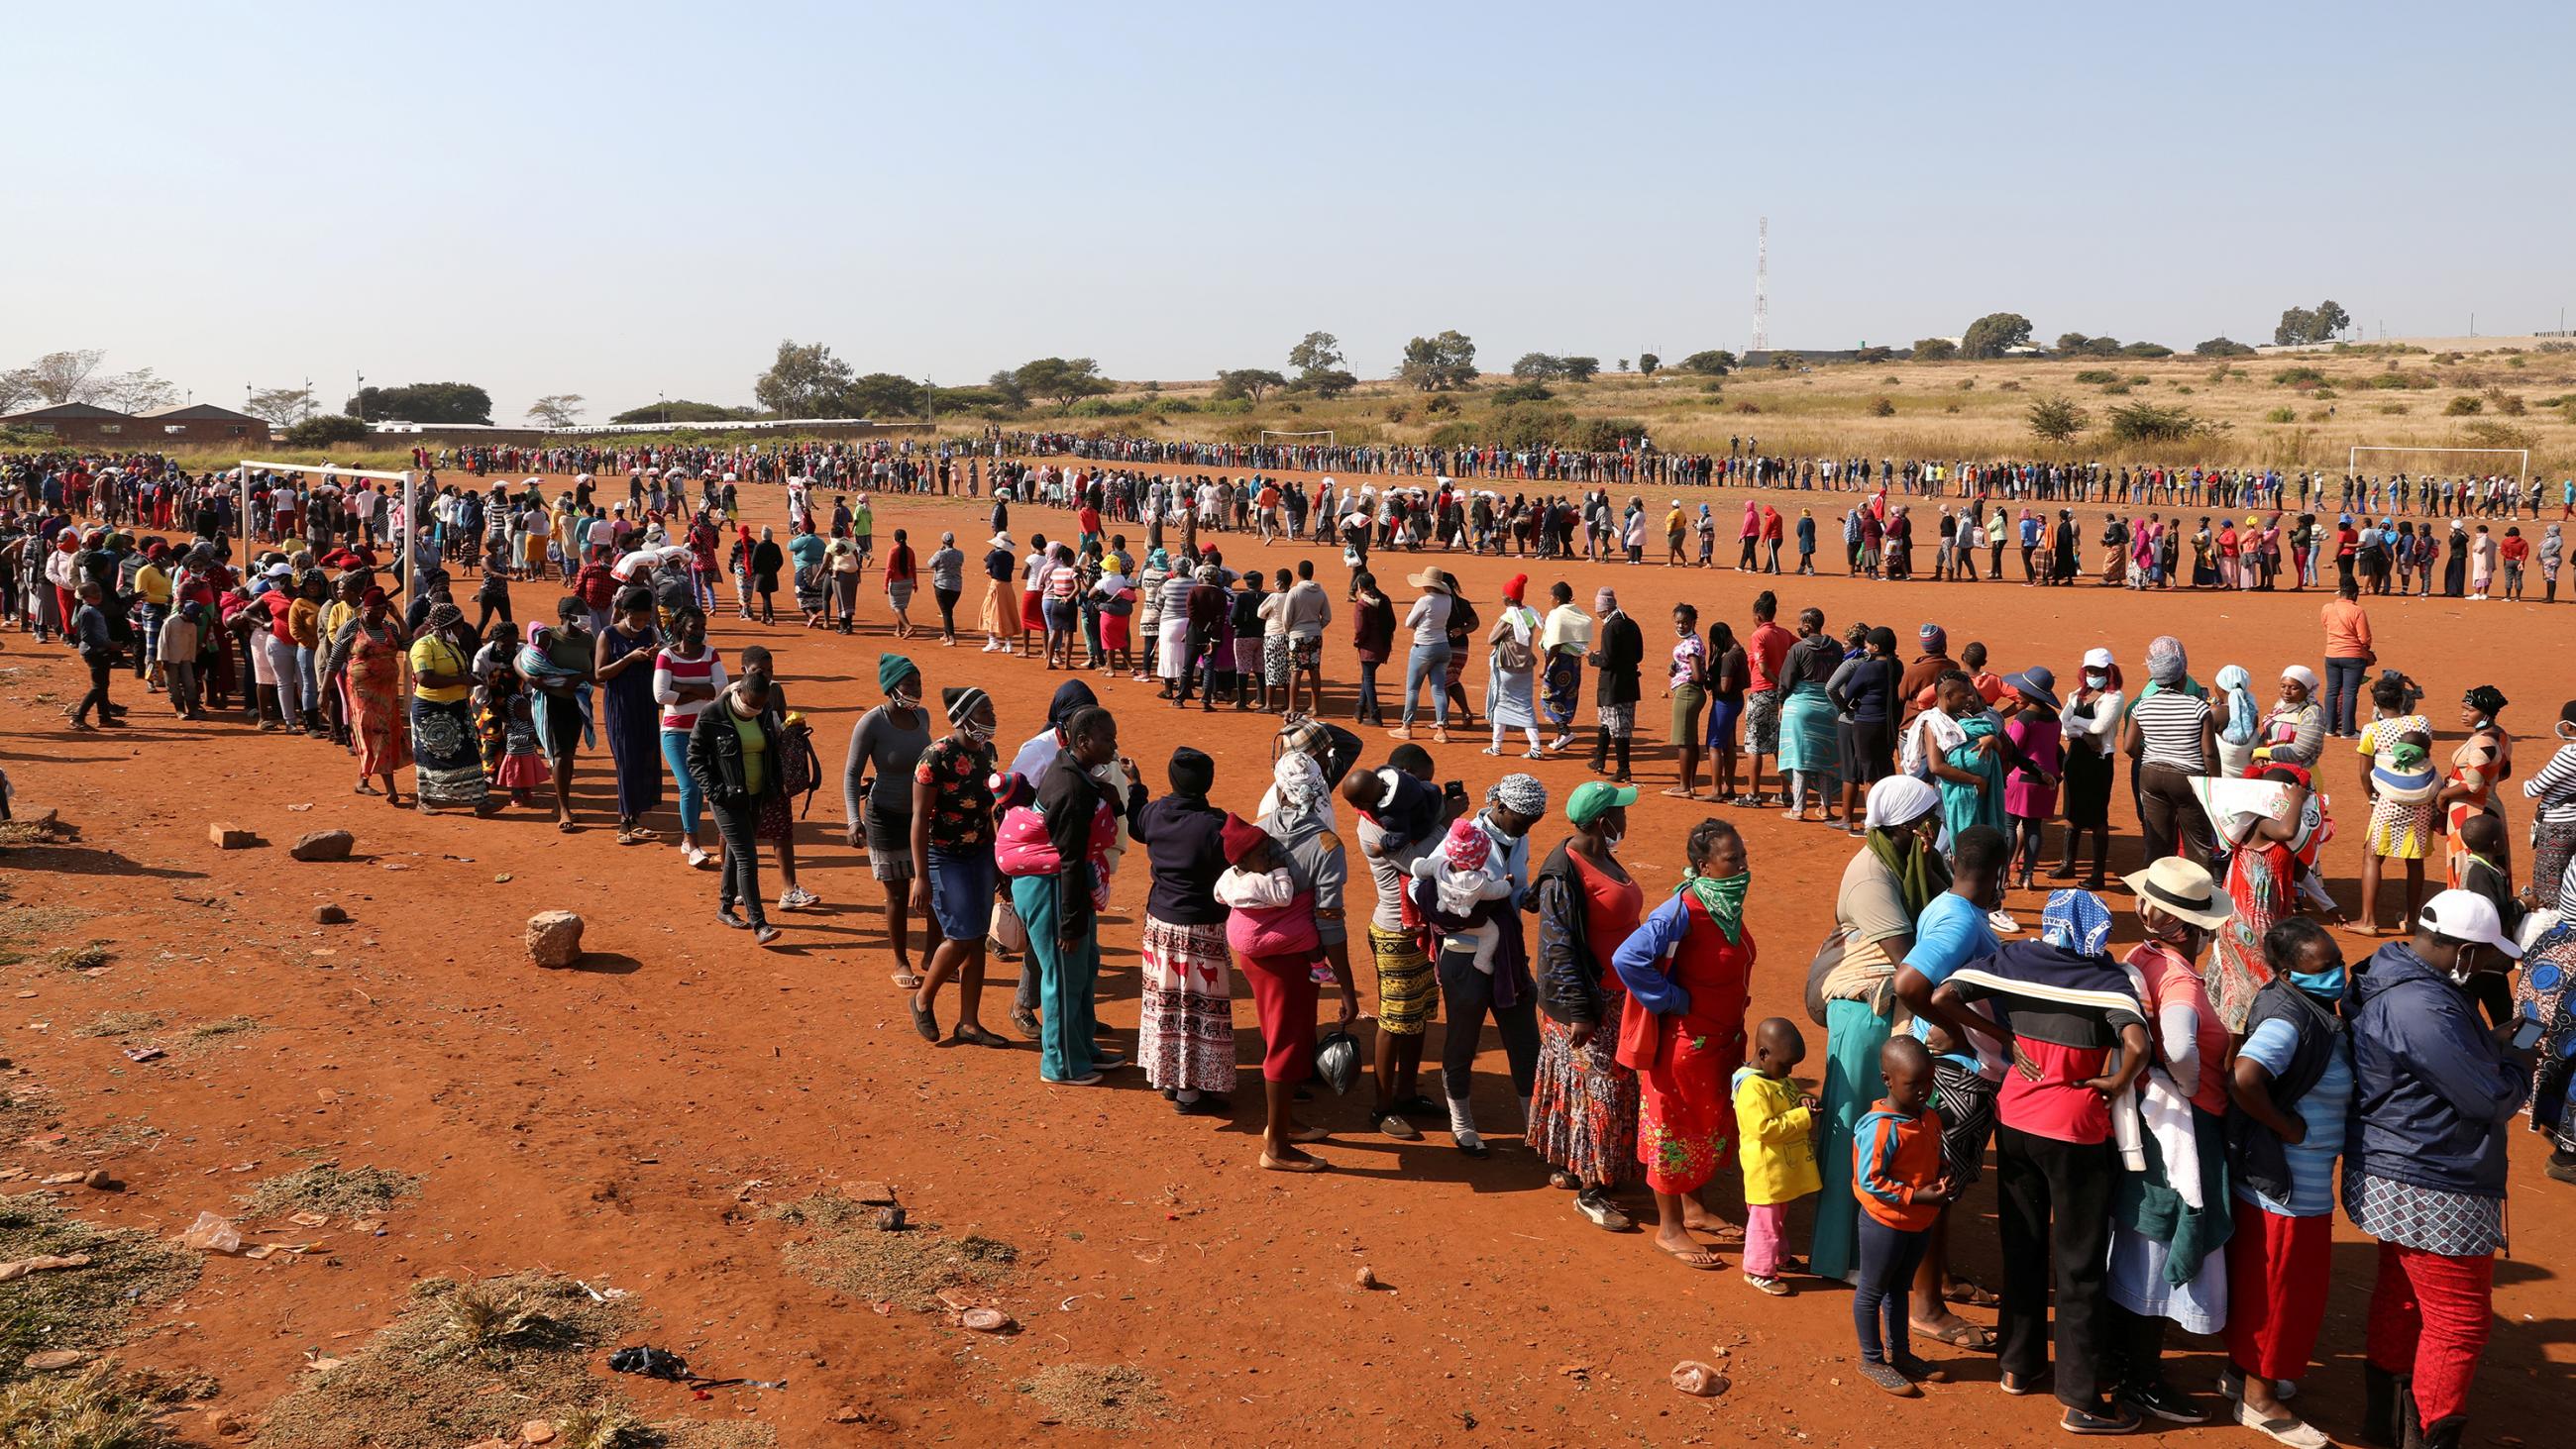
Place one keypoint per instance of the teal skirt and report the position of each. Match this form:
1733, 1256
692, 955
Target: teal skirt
1853, 1036
1807, 731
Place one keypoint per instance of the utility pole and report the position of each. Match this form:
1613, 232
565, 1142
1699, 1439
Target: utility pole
1761, 286
359, 399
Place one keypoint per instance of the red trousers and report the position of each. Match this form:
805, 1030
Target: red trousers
2277, 1270
2428, 1317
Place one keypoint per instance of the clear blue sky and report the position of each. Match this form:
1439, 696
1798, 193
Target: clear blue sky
622, 199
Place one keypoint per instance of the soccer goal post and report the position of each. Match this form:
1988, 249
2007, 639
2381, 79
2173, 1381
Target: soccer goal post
405, 512
2352, 463
1319, 435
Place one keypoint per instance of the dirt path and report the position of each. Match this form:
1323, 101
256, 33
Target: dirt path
625, 1122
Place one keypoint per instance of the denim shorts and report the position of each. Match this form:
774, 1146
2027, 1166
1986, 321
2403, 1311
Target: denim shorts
961, 894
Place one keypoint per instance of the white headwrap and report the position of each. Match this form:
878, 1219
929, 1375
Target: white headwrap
1900, 800
1299, 782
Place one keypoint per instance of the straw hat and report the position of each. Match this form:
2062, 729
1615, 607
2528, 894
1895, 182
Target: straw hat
2184, 890
1433, 578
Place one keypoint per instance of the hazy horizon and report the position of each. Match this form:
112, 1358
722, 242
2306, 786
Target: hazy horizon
640, 201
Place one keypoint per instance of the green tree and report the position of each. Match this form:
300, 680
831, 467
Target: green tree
2146, 349
325, 430
1538, 367
803, 381
880, 395
2331, 319
1578, 369
422, 402
1934, 349
681, 410
1314, 353
1439, 363
1067, 380
284, 406
2298, 325
1007, 383
1247, 382
1331, 382
2056, 419
2223, 346
1647, 362
1994, 334
1715, 362
556, 410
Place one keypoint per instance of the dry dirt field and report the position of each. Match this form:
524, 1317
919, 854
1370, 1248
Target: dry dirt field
689, 1126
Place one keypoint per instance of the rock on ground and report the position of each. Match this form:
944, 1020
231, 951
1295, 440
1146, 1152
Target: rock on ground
323, 845
554, 938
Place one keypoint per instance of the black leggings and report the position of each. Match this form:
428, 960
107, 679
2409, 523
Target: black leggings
739, 876
1467, 995
947, 611
1888, 1257
101, 666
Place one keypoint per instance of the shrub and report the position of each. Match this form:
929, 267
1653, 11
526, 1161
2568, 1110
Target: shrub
2093, 376
1440, 405
2509, 404
1949, 407
2055, 419
2394, 410
1882, 408
1935, 349
1967, 384
2115, 389
2463, 406
2148, 423
2146, 349
2282, 415
2007, 387
325, 429
2297, 377
1460, 434
1748, 409
1521, 392
1604, 435
1530, 425
2498, 435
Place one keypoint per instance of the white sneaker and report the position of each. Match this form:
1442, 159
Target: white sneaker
798, 899
2293, 1431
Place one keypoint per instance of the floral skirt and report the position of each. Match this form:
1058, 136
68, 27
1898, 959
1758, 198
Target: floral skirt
1583, 1114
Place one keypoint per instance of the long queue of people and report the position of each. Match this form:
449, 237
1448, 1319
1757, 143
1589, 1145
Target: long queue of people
2169, 1132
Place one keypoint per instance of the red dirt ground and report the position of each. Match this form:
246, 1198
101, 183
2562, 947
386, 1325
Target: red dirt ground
605, 1122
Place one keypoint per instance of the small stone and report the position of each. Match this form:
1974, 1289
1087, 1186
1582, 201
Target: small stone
846, 1414
889, 1220
56, 1358
537, 1431
1364, 1277
228, 836
986, 1320
328, 914
224, 1423
323, 845
1698, 1380
554, 938
99, 1179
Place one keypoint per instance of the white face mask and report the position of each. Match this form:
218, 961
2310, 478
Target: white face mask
2095, 681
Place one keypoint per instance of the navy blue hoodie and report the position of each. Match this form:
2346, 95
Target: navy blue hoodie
2434, 1089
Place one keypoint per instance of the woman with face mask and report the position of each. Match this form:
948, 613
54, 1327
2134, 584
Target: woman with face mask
1583, 1114
1687, 970
1883, 893
2163, 1268
2090, 733
2291, 1087
2426, 1177
951, 827
877, 802
1481, 960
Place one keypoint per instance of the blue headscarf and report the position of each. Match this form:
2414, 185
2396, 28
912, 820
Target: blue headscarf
2240, 705
2076, 921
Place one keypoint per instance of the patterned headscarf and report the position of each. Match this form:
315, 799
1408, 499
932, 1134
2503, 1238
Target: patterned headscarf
1520, 794
1300, 782
2076, 921
2166, 661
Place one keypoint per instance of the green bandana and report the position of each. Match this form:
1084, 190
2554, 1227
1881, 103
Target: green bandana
1722, 896
1920, 872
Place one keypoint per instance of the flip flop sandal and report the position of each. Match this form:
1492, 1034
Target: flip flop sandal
625, 837
641, 833
1697, 1258
1970, 1294
907, 980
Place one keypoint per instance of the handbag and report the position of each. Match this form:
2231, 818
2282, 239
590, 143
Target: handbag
1829, 959
1007, 933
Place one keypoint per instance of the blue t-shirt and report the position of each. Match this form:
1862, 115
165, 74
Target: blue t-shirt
1951, 933
2325, 1109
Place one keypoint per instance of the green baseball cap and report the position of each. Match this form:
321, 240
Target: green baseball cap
1595, 796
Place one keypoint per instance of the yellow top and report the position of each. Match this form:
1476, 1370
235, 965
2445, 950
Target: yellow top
429, 653
1778, 1145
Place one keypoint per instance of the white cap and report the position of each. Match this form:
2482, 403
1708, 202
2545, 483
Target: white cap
2467, 916
2097, 659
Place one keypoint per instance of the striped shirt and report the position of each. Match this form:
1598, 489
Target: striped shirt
2555, 788
2170, 722
670, 672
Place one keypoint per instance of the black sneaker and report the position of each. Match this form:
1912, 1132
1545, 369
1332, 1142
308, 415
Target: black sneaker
2100, 1419
2165, 1402
725, 916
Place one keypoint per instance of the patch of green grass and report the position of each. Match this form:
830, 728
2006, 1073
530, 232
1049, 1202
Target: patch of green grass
83, 1308
417, 1385
908, 1268
329, 1188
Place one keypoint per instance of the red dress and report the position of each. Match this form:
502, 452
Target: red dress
1686, 1064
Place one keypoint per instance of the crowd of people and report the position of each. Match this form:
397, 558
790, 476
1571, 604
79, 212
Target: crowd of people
2169, 1130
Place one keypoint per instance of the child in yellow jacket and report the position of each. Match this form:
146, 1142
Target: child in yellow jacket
1775, 1129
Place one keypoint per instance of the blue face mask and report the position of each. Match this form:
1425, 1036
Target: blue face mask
2319, 983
